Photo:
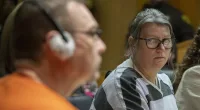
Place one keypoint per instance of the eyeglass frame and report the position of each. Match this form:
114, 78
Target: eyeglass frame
97, 32
160, 41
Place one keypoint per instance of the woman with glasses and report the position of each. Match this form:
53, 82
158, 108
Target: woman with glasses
137, 83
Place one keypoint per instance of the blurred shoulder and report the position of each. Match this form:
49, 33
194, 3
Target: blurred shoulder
192, 71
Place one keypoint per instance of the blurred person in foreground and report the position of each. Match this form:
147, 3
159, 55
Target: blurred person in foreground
187, 81
54, 47
136, 84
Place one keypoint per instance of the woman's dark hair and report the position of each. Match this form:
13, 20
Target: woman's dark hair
191, 58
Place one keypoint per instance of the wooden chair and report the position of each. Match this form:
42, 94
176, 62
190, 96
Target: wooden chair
181, 49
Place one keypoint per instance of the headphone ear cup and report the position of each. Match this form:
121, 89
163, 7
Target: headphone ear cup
62, 48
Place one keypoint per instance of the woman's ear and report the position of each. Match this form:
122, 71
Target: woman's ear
132, 45
171, 57
131, 41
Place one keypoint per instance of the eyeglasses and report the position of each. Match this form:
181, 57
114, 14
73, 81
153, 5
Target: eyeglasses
97, 32
153, 43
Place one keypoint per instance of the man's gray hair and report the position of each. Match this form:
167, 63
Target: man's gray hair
148, 16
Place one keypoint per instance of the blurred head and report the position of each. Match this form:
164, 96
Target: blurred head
32, 37
150, 39
89, 46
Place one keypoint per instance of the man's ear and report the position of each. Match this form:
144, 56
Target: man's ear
50, 35
56, 43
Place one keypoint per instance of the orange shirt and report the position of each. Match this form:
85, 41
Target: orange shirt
18, 92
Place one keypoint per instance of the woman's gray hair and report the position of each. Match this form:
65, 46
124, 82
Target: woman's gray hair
147, 16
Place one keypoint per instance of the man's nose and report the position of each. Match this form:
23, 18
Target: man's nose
101, 46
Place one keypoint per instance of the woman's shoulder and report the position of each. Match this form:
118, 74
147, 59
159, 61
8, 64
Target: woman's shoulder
192, 71
191, 76
194, 67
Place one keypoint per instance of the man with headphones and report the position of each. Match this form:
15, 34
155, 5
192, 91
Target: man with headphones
54, 47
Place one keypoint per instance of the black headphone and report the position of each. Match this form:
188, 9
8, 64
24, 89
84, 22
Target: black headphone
62, 44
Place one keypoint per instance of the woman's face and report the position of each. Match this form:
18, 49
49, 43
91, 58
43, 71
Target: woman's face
153, 59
